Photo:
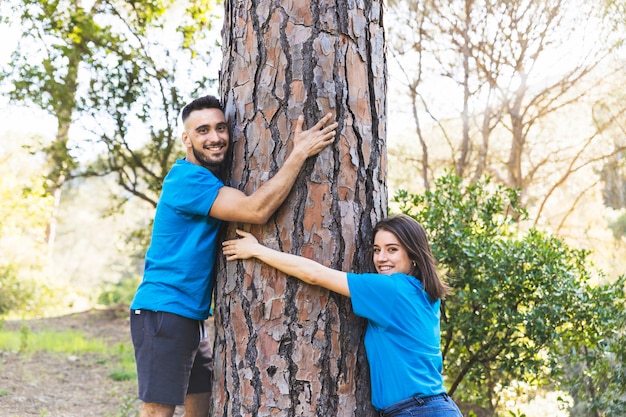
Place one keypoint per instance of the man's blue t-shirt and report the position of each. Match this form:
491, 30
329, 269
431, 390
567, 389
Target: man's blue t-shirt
178, 275
402, 339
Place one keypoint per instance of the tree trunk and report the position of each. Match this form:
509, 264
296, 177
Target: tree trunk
58, 153
285, 348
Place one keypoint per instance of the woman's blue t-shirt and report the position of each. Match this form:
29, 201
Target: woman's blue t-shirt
402, 340
178, 275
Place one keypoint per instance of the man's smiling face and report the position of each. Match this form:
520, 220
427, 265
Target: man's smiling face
206, 138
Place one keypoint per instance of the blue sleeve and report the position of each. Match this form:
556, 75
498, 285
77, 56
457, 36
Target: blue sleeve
373, 297
191, 189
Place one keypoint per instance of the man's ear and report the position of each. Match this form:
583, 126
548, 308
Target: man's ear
186, 140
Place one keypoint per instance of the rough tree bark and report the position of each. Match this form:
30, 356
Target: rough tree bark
284, 348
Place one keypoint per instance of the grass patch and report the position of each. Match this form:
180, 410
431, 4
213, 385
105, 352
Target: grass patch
121, 375
68, 341
119, 357
124, 367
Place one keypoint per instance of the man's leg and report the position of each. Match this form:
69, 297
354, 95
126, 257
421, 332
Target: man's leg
159, 337
198, 397
157, 410
197, 405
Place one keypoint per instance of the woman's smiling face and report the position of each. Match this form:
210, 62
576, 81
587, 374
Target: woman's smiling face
389, 254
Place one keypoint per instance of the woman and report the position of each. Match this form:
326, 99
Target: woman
401, 303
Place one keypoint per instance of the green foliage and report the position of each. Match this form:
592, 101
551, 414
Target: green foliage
199, 22
121, 292
517, 297
593, 358
15, 294
24, 208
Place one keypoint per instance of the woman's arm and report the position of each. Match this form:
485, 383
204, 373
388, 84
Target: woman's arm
302, 268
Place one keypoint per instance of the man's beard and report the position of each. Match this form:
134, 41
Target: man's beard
210, 164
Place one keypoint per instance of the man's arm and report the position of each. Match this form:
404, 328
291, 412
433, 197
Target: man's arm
235, 206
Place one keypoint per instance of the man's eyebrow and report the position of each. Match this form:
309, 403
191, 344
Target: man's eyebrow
204, 126
207, 126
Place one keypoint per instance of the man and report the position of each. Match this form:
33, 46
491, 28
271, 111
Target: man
172, 302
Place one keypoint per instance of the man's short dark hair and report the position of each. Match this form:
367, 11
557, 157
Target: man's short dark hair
201, 103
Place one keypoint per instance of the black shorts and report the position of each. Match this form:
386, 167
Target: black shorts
173, 356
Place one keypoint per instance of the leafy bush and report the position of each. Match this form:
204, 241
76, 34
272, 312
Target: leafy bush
15, 294
121, 292
523, 305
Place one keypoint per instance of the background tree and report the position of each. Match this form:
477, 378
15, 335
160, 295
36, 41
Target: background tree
102, 66
57, 37
139, 83
613, 172
494, 81
524, 307
285, 348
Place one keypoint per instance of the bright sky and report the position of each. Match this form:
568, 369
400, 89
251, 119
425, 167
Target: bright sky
9, 38
14, 118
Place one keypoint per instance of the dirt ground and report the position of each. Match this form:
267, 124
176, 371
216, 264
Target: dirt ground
57, 385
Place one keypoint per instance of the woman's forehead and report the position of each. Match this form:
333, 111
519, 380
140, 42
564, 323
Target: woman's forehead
385, 237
